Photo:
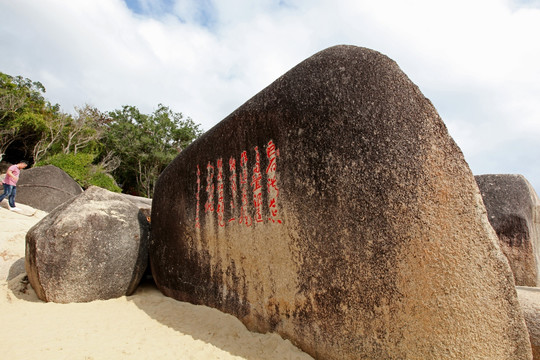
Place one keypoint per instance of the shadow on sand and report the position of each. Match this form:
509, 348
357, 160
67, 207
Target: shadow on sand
212, 326
202, 323
17, 281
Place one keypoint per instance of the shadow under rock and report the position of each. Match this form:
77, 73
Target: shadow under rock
212, 326
16, 269
18, 283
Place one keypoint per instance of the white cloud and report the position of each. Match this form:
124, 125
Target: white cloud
477, 60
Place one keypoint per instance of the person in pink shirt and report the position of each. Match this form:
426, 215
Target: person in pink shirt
10, 184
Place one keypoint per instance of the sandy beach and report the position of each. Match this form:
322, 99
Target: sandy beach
146, 325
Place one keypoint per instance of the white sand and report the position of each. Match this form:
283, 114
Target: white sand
147, 325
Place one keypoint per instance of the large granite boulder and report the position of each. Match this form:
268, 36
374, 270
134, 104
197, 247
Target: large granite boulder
334, 209
141, 202
144, 204
93, 247
46, 187
513, 210
529, 298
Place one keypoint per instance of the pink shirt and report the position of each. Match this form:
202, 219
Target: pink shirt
12, 181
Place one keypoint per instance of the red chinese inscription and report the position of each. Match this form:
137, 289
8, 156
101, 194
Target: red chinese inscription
209, 205
197, 196
245, 218
234, 189
221, 201
256, 185
243, 211
273, 191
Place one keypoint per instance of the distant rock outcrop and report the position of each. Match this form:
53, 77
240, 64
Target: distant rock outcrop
513, 210
334, 209
46, 187
93, 247
529, 298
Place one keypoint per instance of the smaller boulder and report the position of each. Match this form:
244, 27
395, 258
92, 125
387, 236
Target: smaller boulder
513, 210
144, 204
141, 202
93, 247
529, 299
46, 187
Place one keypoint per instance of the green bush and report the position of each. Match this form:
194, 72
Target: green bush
76, 166
80, 168
105, 181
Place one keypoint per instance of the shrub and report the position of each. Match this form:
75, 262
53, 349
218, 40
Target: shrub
80, 168
105, 181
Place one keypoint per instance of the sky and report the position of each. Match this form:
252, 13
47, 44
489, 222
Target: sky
478, 61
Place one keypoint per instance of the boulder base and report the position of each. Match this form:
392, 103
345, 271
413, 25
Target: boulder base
93, 247
334, 209
529, 298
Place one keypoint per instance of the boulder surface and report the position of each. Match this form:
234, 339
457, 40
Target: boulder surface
92, 247
142, 202
513, 210
529, 298
334, 209
46, 187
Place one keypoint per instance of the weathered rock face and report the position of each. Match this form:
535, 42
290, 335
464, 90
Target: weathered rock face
144, 204
513, 210
46, 187
334, 208
141, 202
529, 298
93, 247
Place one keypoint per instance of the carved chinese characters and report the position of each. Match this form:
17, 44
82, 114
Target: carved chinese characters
198, 208
273, 190
244, 216
209, 206
220, 206
256, 185
249, 204
234, 189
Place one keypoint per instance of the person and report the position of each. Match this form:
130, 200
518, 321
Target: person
10, 184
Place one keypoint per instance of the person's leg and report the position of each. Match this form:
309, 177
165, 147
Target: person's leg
11, 197
3, 196
7, 192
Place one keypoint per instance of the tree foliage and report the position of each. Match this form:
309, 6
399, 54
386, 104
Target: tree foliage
84, 130
90, 145
24, 112
146, 144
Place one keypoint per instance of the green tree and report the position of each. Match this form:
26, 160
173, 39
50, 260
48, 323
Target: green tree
85, 130
51, 136
90, 144
146, 144
24, 111
72, 133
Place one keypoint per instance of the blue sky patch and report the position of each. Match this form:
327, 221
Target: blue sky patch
527, 3
150, 7
134, 6
203, 14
